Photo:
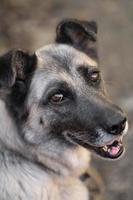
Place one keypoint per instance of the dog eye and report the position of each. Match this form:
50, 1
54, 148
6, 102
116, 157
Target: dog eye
91, 75
94, 76
57, 98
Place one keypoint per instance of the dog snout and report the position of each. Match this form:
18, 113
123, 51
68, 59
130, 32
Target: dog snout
118, 127
117, 122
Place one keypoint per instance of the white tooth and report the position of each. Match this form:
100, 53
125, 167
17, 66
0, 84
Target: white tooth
105, 148
120, 140
109, 150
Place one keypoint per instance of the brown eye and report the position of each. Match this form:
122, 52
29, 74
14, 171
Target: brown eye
57, 98
94, 76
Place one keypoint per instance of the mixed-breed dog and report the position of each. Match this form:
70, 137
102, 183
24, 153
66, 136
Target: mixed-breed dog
53, 113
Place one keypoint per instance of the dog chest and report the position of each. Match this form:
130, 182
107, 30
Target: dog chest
70, 189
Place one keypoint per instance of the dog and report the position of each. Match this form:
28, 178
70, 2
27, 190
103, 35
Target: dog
53, 113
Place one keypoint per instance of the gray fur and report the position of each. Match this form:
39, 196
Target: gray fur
36, 161
26, 180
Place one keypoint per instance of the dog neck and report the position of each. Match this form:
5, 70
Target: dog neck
63, 158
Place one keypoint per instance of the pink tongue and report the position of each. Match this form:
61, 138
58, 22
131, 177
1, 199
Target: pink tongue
114, 150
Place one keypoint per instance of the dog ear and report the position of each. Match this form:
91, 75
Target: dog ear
80, 34
15, 65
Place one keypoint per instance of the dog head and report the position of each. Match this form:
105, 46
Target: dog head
59, 93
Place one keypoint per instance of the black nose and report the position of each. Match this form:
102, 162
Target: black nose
118, 128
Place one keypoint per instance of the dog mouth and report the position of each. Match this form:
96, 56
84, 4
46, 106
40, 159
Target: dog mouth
113, 150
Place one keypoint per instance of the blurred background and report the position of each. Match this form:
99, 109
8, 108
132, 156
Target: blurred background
30, 24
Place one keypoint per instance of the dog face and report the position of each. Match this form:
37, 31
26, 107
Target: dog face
59, 93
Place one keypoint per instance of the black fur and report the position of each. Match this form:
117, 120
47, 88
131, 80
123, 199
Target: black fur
16, 70
15, 65
80, 34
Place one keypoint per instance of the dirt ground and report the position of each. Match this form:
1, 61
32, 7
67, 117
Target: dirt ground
30, 24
